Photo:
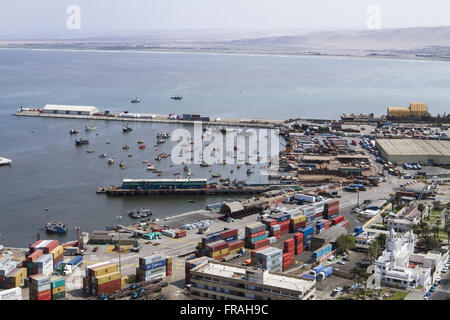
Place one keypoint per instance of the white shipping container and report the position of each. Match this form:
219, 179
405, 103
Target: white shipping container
299, 196
7, 268
11, 294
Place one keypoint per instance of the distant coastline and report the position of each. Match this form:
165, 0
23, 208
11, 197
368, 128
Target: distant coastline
178, 50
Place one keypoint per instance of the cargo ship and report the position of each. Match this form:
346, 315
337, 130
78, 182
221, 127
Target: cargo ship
55, 227
177, 97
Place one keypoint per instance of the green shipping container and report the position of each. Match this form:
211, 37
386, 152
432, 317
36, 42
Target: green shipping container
58, 295
58, 283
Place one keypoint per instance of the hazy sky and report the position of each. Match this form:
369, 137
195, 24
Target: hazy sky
48, 17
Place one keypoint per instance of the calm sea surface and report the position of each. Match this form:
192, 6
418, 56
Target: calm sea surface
50, 172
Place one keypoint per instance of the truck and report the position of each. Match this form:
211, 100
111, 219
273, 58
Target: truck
325, 273
304, 197
316, 271
72, 264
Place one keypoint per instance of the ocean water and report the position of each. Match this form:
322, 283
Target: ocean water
50, 172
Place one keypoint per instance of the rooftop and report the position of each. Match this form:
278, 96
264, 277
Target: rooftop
69, 108
415, 147
271, 279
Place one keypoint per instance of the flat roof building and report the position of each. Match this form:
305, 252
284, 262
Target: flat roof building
220, 281
72, 110
427, 152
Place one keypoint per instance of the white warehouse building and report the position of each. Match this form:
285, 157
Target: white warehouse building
69, 110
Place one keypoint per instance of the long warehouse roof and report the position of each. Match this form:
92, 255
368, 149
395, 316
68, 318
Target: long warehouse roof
69, 108
415, 147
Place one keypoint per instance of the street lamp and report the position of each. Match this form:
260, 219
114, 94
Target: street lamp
120, 266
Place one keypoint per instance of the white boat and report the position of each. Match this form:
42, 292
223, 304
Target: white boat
90, 127
4, 161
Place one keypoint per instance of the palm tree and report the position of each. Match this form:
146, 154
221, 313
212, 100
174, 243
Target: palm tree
421, 208
435, 230
447, 230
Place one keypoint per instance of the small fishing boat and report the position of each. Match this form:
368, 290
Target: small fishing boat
151, 167
90, 127
136, 100
160, 141
130, 155
126, 147
140, 141
110, 161
142, 147
90, 151
103, 155
55, 227
204, 164
73, 131
81, 141
122, 165
249, 171
101, 190
216, 175
126, 128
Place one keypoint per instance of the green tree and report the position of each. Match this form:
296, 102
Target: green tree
345, 242
447, 230
421, 208
382, 240
374, 251
429, 243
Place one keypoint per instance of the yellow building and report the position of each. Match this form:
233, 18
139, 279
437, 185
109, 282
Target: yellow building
417, 109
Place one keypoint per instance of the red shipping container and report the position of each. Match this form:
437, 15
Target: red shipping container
298, 235
318, 215
236, 244
35, 255
34, 245
260, 244
228, 233
257, 234
299, 249
284, 223
218, 247
337, 220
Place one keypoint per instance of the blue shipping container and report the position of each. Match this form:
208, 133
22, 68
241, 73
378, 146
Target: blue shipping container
307, 231
231, 238
153, 265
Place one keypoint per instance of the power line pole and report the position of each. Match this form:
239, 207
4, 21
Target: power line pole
120, 265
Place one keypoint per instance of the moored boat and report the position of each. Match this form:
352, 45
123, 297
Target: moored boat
55, 227
81, 141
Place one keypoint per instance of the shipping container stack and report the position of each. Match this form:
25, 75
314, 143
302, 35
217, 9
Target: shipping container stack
289, 245
40, 287
272, 227
235, 246
151, 268
283, 220
288, 260
168, 266
6, 267
58, 289
308, 233
217, 249
43, 264
298, 243
296, 223
331, 209
322, 251
102, 278
268, 258
191, 264
14, 279
337, 220
44, 254
58, 256
256, 236
320, 226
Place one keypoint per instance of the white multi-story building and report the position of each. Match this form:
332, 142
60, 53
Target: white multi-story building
393, 267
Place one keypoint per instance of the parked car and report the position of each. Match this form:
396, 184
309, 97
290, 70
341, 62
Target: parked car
341, 262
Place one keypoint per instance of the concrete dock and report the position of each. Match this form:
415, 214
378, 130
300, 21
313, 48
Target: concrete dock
261, 123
